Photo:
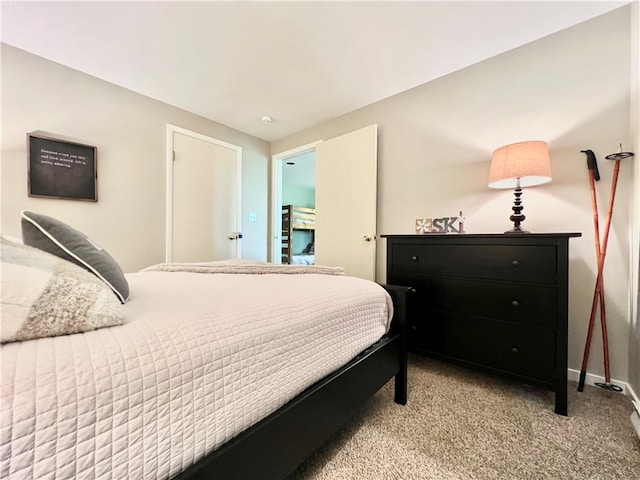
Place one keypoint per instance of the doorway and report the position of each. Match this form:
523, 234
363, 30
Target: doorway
294, 184
204, 191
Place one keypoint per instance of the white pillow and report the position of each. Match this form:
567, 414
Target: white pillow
43, 295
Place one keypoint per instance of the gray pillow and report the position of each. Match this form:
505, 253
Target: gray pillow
43, 295
58, 238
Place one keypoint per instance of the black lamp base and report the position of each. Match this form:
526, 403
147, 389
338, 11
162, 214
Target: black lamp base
516, 231
517, 218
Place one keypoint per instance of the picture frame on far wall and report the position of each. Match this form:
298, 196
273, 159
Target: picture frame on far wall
61, 169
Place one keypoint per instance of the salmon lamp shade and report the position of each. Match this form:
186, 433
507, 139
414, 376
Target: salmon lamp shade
527, 161
519, 165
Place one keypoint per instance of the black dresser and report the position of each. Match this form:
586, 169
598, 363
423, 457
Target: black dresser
495, 302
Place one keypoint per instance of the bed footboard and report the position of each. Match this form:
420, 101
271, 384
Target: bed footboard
399, 295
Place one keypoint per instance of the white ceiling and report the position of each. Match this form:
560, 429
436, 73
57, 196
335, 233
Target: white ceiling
301, 63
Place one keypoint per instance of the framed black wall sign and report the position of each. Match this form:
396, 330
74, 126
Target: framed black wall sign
61, 169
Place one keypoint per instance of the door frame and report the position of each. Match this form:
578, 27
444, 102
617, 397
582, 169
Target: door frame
277, 161
171, 129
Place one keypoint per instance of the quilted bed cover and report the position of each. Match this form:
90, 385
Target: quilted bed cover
201, 358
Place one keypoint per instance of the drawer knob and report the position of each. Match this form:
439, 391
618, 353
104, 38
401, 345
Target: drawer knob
515, 303
515, 263
414, 258
514, 349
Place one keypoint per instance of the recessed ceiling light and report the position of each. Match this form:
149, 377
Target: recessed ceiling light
266, 119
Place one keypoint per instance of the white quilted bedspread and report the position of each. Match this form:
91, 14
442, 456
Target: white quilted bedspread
202, 358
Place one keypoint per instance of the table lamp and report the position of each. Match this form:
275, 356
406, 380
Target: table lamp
519, 165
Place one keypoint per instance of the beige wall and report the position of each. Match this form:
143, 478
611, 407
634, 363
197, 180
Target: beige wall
435, 143
129, 131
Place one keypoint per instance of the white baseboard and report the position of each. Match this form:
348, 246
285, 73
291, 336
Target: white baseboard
635, 416
591, 379
635, 421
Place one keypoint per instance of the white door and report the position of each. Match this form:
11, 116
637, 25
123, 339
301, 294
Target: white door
346, 196
205, 199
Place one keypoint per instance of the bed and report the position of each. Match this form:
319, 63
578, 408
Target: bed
215, 373
298, 235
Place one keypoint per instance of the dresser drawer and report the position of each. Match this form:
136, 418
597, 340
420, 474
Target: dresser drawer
508, 347
524, 263
521, 303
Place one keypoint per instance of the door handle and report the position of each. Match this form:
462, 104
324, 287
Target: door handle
368, 238
235, 236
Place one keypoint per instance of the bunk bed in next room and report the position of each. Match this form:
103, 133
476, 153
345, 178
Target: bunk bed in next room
298, 219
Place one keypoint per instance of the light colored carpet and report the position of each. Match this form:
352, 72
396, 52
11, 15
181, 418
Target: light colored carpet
460, 424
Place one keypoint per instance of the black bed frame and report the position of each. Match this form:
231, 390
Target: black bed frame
275, 446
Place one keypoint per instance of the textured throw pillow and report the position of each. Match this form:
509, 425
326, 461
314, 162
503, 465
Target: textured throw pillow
53, 236
43, 296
